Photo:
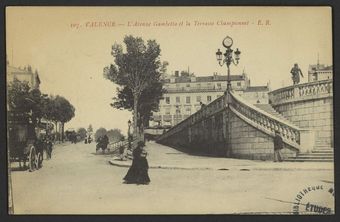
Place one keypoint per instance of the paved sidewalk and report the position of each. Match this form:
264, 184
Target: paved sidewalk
164, 157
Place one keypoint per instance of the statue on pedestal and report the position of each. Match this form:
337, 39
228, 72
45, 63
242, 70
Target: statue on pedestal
296, 72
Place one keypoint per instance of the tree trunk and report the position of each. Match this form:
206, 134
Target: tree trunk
62, 132
135, 119
56, 131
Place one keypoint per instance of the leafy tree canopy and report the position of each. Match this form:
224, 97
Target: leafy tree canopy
81, 132
138, 73
21, 99
115, 135
100, 132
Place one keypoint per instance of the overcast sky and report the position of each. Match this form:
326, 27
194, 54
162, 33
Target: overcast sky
70, 60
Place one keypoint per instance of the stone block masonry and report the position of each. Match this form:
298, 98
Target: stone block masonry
308, 105
313, 114
247, 142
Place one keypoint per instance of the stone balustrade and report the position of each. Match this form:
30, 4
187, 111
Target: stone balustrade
265, 120
302, 91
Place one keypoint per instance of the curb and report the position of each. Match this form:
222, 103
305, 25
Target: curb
125, 164
114, 163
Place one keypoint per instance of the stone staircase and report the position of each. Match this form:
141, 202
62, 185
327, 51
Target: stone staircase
269, 109
317, 155
321, 153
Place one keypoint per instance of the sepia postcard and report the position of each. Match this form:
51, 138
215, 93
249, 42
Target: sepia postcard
169, 110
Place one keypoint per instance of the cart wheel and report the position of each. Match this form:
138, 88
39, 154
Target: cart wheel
39, 160
32, 159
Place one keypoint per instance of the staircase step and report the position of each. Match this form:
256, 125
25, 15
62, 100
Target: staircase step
316, 154
323, 147
323, 151
324, 154
309, 160
314, 157
269, 109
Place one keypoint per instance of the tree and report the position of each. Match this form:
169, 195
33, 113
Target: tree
23, 100
60, 110
138, 73
100, 132
82, 132
114, 135
17, 95
66, 112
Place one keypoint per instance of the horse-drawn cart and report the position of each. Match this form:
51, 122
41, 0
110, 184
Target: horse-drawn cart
23, 143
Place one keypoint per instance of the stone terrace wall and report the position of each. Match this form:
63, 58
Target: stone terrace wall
308, 105
247, 142
314, 114
207, 136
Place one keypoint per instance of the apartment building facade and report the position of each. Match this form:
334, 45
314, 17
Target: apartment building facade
319, 72
23, 74
185, 94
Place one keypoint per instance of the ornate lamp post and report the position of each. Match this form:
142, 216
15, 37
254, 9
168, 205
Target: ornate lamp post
228, 57
129, 128
129, 134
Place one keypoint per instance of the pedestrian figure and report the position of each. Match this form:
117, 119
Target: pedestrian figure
278, 145
122, 152
202, 104
296, 71
89, 139
138, 172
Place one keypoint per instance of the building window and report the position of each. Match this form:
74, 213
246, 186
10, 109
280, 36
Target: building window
167, 111
198, 99
178, 99
238, 83
167, 100
188, 85
178, 111
219, 85
188, 110
187, 99
209, 98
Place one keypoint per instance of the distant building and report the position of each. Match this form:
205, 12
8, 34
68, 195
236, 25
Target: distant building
24, 74
319, 72
186, 93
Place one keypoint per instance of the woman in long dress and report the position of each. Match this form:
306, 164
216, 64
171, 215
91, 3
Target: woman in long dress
143, 176
138, 172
